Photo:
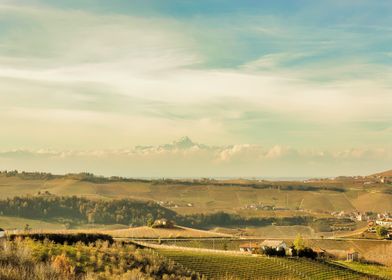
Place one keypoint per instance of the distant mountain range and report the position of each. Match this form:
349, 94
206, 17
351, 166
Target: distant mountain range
184, 143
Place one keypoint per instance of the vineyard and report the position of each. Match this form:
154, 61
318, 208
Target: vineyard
374, 250
384, 272
230, 266
214, 244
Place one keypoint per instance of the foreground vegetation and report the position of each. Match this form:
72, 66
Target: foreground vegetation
28, 259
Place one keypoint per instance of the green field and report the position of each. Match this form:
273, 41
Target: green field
226, 266
272, 231
379, 270
10, 223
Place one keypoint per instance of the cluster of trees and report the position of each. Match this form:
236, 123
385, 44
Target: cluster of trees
83, 176
90, 177
260, 185
81, 210
272, 252
29, 175
300, 250
64, 238
382, 232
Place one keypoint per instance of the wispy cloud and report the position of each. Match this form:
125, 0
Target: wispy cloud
77, 78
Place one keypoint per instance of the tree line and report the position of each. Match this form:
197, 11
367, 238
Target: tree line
92, 178
75, 209
79, 210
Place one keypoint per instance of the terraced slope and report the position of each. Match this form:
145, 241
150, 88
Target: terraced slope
227, 266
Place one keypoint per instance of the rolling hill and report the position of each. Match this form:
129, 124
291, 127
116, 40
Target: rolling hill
387, 173
188, 196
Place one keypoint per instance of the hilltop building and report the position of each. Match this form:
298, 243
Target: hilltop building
163, 223
253, 247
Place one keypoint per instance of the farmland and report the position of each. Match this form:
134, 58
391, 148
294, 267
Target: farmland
372, 250
226, 266
207, 215
283, 208
187, 197
176, 232
272, 231
376, 250
89, 258
215, 257
381, 271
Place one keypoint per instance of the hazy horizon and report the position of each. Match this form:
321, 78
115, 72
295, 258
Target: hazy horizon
196, 88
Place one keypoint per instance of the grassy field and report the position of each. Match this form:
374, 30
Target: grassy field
10, 223
16, 223
226, 266
270, 231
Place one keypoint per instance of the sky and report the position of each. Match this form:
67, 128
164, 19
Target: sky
187, 88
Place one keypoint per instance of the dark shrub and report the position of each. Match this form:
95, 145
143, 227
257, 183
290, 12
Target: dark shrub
269, 251
307, 253
60, 238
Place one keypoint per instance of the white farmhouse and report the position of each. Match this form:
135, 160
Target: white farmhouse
276, 244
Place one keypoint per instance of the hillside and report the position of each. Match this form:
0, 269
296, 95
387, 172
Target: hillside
176, 232
206, 196
240, 207
387, 173
77, 210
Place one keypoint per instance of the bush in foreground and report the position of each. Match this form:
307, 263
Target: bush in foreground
28, 259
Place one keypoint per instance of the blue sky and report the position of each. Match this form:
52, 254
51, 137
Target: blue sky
310, 77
